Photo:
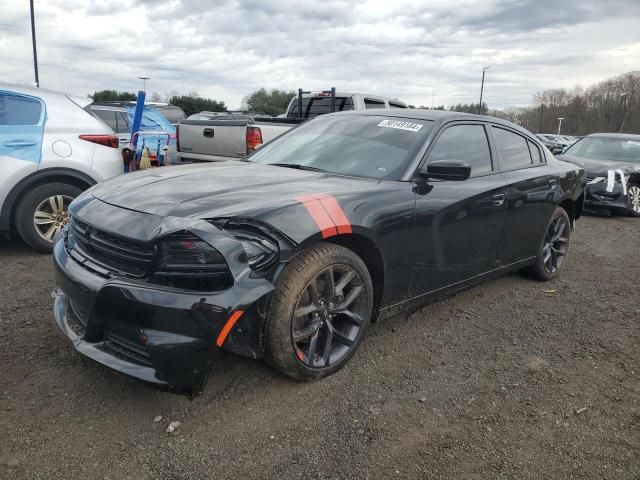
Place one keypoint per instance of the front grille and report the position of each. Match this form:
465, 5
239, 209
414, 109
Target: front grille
126, 349
107, 254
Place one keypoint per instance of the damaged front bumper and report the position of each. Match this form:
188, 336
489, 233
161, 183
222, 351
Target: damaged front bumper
599, 195
166, 336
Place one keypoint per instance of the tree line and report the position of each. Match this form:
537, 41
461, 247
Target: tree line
612, 105
272, 102
609, 106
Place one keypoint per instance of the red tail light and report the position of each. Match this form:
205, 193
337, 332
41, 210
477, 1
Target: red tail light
106, 140
178, 137
254, 138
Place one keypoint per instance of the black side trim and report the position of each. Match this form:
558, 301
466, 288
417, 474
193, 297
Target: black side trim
20, 187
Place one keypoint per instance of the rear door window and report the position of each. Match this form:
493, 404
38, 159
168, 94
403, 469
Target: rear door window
512, 148
467, 143
396, 105
19, 110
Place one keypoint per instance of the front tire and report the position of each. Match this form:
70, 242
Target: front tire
319, 313
553, 248
633, 195
43, 212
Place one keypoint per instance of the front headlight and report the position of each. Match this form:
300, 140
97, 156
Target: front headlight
261, 251
186, 261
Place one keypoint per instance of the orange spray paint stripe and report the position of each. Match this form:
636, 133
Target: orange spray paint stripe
336, 213
319, 214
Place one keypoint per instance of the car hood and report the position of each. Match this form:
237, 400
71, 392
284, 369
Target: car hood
600, 168
219, 189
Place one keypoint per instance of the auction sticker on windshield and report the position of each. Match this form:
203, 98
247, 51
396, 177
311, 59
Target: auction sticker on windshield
412, 127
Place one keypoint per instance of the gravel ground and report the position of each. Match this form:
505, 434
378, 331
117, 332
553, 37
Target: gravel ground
511, 379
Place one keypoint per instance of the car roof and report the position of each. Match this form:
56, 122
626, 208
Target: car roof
619, 136
30, 89
439, 116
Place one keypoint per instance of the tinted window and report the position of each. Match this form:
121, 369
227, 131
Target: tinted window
122, 122
19, 110
512, 148
467, 143
369, 103
535, 153
396, 105
314, 106
108, 117
360, 145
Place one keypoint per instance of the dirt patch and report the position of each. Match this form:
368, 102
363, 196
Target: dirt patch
511, 379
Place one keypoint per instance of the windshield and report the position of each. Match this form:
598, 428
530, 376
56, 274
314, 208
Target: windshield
357, 145
617, 149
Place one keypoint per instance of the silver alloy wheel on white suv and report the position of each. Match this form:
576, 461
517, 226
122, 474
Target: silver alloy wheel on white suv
51, 215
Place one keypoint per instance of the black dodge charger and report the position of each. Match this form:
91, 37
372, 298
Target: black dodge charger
290, 254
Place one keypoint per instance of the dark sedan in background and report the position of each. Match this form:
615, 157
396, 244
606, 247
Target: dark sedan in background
289, 255
612, 163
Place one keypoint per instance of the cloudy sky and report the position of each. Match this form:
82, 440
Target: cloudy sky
407, 49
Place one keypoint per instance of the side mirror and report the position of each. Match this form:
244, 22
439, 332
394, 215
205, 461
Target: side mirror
446, 170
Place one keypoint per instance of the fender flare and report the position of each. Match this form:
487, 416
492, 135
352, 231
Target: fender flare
60, 173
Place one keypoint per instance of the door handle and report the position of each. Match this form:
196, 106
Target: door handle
552, 182
498, 199
208, 132
19, 143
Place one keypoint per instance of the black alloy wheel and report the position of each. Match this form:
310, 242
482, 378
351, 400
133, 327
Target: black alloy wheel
329, 316
556, 243
553, 249
319, 312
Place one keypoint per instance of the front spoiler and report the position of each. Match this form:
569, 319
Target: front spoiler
163, 336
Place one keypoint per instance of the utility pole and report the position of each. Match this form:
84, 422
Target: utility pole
484, 69
33, 42
433, 98
560, 124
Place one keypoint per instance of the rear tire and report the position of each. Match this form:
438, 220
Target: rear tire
553, 248
43, 212
314, 331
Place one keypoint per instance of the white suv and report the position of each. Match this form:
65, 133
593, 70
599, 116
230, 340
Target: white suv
51, 149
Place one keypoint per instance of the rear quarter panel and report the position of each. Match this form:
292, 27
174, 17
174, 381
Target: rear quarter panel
62, 146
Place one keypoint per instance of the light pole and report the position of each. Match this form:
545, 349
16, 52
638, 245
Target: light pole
33, 42
484, 69
144, 83
560, 124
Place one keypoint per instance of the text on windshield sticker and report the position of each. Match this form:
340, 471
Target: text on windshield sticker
411, 127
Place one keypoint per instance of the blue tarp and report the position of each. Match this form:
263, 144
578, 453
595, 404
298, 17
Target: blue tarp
152, 121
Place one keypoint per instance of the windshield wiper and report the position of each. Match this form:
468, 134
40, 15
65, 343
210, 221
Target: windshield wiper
298, 166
